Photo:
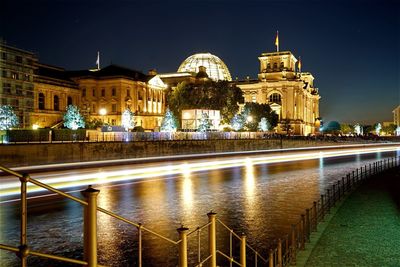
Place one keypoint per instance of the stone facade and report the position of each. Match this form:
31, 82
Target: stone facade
17, 71
289, 92
54, 91
114, 88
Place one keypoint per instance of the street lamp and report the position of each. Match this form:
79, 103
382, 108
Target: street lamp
249, 118
103, 112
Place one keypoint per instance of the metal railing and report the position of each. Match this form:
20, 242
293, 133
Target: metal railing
285, 251
282, 254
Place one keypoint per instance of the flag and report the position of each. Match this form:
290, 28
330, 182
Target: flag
299, 66
98, 60
277, 41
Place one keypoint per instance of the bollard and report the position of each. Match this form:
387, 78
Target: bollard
212, 239
183, 231
357, 175
315, 216
338, 189
279, 252
352, 180
271, 258
302, 232
90, 226
293, 246
243, 251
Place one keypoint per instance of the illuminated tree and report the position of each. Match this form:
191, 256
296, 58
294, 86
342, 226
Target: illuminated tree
8, 119
128, 119
73, 119
264, 125
378, 128
204, 123
358, 129
169, 122
345, 128
238, 121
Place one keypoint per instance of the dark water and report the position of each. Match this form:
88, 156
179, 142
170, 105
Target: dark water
261, 201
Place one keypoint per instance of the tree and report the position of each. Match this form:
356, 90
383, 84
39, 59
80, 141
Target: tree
378, 128
169, 122
358, 129
128, 119
73, 119
204, 123
93, 123
264, 125
8, 119
345, 128
389, 129
253, 112
238, 122
219, 95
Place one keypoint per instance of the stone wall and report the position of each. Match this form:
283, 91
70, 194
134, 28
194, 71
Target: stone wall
36, 154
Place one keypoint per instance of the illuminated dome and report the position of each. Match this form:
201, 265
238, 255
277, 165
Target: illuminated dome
215, 67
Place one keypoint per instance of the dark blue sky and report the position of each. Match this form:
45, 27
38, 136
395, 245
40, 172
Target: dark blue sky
351, 47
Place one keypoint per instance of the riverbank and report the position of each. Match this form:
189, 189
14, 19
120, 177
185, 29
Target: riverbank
18, 155
364, 230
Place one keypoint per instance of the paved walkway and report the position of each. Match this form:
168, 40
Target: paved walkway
365, 230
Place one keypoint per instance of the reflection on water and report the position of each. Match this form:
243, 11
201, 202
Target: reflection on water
262, 201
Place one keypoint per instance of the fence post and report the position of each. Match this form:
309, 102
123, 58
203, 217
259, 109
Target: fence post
328, 196
308, 226
315, 221
23, 247
183, 231
90, 226
333, 194
322, 208
343, 186
212, 239
357, 175
271, 258
302, 230
139, 245
338, 189
279, 252
294, 246
243, 251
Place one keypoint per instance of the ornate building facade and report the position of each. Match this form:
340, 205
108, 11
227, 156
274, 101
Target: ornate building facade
107, 92
54, 90
289, 92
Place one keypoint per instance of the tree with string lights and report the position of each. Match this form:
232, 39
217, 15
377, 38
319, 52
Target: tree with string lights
8, 119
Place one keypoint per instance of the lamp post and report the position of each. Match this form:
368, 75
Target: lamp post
103, 112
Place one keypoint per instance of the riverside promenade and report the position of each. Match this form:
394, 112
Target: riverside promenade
363, 230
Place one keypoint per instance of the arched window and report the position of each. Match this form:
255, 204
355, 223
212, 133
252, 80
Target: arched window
56, 103
69, 101
275, 66
275, 98
282, 65
268, 65
41, 101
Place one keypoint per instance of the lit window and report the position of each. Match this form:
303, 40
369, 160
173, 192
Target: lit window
41, 101
275, 98
56, 103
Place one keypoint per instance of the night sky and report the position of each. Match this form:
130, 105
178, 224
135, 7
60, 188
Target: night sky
351, 47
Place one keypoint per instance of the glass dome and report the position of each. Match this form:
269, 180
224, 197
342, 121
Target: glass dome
215, 67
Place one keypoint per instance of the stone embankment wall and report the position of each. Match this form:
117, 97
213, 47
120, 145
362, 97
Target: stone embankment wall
37, 154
